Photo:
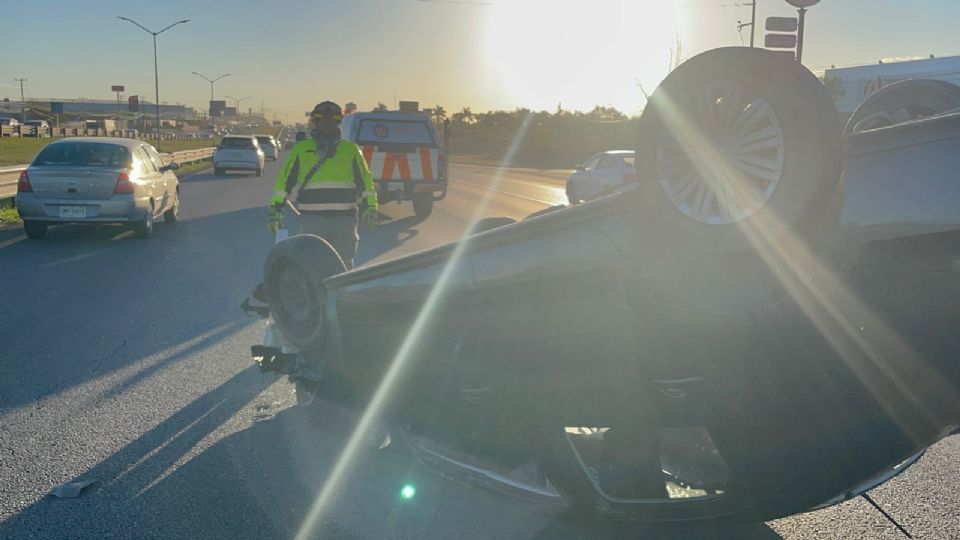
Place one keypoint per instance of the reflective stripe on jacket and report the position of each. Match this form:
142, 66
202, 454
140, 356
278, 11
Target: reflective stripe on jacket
331, 182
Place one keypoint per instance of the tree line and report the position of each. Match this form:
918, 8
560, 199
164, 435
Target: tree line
543, 139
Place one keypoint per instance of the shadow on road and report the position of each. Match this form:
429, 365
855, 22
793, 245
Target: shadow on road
260, 483
87, 301
126, 503
386, 237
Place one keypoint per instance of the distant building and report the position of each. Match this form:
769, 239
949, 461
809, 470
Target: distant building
849, 86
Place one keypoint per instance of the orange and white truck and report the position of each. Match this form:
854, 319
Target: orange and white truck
405, 153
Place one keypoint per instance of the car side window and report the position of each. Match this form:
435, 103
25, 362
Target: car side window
145, 162
592, 163
607, 162
154, 157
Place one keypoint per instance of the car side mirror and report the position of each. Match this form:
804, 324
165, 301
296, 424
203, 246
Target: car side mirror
171, 167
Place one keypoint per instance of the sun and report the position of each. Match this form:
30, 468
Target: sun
579, 53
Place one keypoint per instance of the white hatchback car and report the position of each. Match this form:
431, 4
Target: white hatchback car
238, 153
604, 173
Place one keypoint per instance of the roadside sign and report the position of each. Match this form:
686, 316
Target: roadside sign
803, 3
782, 24
780, 41
117, 88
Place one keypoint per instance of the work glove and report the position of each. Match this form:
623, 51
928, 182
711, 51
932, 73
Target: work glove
370, 218
274, 219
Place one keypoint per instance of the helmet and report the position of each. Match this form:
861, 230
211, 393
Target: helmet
327, 110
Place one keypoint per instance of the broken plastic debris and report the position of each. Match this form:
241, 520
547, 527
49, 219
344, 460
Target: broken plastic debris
71, 490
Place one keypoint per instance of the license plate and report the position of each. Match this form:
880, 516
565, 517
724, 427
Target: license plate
395, 186
73, 212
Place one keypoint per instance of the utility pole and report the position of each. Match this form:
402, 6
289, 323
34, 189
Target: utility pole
156, 75
23, 102
753, 21
802, 12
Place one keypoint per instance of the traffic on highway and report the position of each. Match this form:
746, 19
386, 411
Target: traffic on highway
703, 300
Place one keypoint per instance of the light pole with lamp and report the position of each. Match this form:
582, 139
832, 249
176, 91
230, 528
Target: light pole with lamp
156, 73
211, 81
237, 102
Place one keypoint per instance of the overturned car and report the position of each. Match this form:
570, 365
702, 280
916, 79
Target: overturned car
765, 325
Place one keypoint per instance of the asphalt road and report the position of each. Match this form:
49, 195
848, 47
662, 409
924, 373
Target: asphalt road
126, 362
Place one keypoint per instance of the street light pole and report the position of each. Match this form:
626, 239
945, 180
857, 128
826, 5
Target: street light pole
156, 72
211, 81
23, 102
237, 102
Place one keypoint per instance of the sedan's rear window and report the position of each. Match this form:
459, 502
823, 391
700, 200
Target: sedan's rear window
236, 142
265, 140
395, 131
84, 154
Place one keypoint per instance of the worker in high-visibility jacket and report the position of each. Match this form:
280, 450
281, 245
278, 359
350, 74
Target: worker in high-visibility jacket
335, 185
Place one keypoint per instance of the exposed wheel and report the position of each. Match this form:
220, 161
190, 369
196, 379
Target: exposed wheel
144, 228
423, 205
488, 224
572, 197
173, 214
740, 149
217, 171
904, 101
34, 229
293, 279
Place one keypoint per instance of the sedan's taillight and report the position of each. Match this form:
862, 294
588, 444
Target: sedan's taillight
124, 185
23, 183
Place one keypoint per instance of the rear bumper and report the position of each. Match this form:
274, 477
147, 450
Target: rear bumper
117, 209
237, 165
410, 189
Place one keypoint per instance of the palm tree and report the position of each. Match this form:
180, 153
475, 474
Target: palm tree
467, 116
380, 107
439, 112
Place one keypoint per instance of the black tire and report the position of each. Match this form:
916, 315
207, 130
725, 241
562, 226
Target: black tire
423, 205
144, 228
572, 194
217, 171
903, 101
35, 229
733, 105
489, 224
173, 214
293, 279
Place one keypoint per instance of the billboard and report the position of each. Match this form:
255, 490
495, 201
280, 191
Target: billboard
217, 107
133, 103
117, 88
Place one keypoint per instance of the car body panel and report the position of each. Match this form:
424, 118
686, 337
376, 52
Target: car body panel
591, 314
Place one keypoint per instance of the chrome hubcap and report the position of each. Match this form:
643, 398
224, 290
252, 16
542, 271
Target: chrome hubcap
723, 160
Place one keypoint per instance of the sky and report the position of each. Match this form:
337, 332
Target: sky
287, 55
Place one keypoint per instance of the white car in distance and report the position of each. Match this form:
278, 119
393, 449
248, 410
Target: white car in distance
603, 173
238, 152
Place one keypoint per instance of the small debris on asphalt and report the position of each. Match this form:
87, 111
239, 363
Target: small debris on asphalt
71, 490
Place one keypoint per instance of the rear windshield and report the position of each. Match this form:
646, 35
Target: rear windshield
265, 140
395, 131
84, 154
236, 142
629, 159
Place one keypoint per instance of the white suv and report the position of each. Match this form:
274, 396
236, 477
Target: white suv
238, 153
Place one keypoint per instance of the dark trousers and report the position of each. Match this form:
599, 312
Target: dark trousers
339, 229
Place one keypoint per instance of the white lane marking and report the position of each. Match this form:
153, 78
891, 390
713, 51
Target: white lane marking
73, 258
12, 241
480, 186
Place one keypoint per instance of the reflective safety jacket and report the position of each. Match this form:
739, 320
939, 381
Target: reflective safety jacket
328, 183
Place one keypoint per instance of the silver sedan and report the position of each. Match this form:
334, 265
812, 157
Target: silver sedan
97, 180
